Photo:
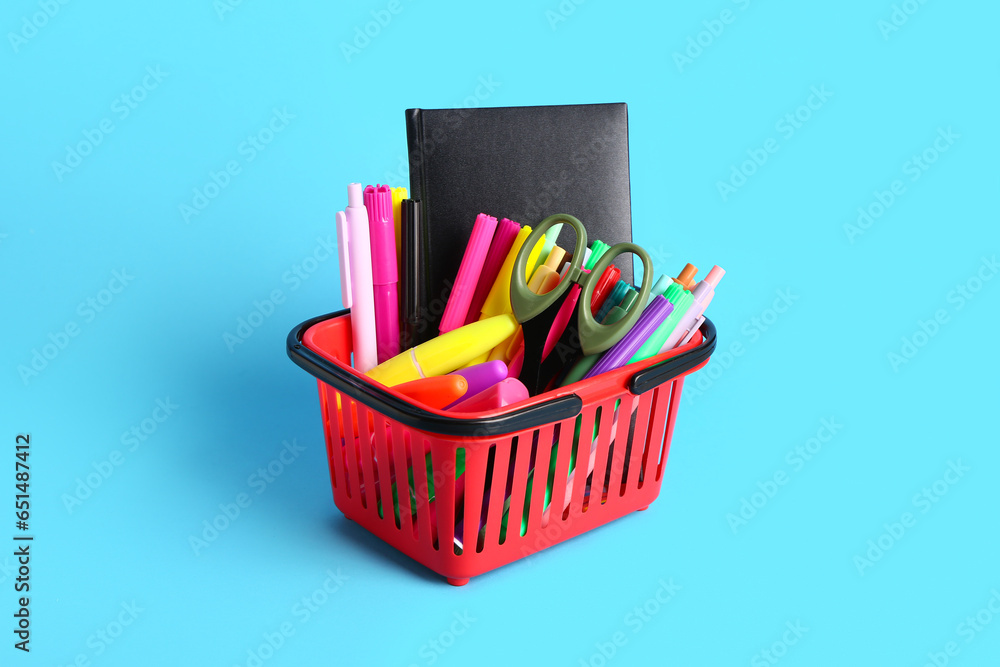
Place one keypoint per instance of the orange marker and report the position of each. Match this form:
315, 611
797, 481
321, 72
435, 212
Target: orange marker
435, 392
686, 277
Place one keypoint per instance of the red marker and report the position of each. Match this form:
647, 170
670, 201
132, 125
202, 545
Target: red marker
604, 287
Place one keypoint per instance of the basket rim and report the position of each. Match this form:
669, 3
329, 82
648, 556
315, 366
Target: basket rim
558, 408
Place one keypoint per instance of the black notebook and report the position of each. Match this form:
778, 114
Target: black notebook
522, 163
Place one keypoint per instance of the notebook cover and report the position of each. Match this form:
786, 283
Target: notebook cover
522, 163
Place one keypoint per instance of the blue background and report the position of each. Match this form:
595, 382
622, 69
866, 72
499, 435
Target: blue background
854, 298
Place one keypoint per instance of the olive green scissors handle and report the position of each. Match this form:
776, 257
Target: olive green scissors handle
594, 336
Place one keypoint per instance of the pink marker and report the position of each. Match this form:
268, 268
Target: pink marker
695, 315
362, 305
503, 393
468, 273
562, 318
503, 239
516, 363
378, 201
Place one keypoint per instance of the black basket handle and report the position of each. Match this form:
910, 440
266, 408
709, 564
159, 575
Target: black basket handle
531, 417
534, 416
654, 376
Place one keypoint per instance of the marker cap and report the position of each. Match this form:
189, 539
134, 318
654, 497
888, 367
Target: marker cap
436, 392
503, 238
551, 236
660, 287
378, 201
468, 273
596, 250
715, 275
631, 296
686, 277
355, 196
555, 258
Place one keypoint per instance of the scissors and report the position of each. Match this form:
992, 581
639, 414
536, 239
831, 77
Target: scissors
546, 350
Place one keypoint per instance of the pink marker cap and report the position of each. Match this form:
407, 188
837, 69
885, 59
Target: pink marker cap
378, 201
715, 275
468, 273
503, 239
505, 392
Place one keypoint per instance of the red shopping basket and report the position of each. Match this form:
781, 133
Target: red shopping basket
459, 494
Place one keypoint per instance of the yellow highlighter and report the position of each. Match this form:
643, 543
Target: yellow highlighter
498, 300
398, 195
534, 258
446, 353
542, 280
500, 351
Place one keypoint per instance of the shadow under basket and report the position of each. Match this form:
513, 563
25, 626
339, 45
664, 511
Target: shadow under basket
464, 494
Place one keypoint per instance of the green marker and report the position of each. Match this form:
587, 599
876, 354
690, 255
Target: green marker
681, 300
596, 250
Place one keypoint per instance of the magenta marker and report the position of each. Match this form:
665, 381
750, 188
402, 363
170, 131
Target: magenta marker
503, 239
480, 377
378, 201
468, 273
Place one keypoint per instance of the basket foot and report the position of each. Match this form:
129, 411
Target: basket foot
643, 509
457, 582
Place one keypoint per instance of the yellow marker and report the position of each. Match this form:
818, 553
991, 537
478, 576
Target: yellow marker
534, 258
398, 195
482, 358
498, 300
446, 353
546, 276
516, 341
500, 351
555, 258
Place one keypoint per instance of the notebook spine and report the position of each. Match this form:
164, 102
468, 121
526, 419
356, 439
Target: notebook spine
415, 143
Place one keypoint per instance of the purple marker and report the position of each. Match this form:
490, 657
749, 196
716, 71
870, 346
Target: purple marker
652, 317
481, 376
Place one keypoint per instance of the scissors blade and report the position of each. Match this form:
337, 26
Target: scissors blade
566, 351
534, 334
557, 327
540, 335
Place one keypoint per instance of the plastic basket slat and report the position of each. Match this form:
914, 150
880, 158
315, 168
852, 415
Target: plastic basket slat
494, 513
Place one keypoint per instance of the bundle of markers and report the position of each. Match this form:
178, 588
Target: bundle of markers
474, 363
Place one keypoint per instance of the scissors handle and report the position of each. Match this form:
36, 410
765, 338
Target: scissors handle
525, 303
594, 336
